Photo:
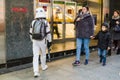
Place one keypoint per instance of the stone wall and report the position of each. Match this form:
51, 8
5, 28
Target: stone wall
19, 14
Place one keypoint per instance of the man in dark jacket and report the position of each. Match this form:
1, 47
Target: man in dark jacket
84, 29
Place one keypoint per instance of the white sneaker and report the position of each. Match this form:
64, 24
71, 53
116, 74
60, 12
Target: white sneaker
36, 74
45, 68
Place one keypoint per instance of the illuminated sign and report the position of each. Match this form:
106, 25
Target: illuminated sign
44, 0
19, 9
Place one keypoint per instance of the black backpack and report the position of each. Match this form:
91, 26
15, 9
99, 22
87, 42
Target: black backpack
39, 30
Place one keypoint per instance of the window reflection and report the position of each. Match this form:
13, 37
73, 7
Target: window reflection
70, 13
58, 10
55, 26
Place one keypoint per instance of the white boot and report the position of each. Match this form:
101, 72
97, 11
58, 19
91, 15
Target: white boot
36, 74
45, 68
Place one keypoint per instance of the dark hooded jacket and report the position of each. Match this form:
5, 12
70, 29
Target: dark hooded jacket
104, 39
85, 26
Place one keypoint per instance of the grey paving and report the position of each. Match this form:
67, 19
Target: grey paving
63, 70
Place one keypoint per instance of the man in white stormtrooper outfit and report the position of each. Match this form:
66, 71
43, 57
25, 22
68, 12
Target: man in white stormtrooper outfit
40, 45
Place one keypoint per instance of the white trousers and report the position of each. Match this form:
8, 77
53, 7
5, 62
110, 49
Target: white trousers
39, 48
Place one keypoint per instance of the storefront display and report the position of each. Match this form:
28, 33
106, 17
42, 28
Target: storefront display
70, 14
58, 19
47, 8
79, 6
63, 14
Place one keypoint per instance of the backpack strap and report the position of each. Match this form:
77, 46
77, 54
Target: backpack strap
45, 23
48, 32
31, 26
47, 26
42, 25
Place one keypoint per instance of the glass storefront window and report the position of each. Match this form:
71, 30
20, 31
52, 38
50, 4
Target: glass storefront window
46, 7
70, 30
58, 19
79, 6
2, 32
70, 14
70, 11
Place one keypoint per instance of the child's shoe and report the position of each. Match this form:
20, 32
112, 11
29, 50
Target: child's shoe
104, 61
118, 51
103, 64
100, 61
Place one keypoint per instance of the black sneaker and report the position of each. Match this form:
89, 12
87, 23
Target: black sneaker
118, 52
103, 64
76, 63
100, 60
86, 62
36, 76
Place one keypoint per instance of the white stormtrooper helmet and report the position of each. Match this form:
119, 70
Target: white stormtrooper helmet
40, 13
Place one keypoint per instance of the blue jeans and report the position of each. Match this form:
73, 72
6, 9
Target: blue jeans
102, 52
85, 42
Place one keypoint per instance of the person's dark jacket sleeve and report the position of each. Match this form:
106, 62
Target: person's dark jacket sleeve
75, 19
91, 24
113, 23
109, 40
97, 35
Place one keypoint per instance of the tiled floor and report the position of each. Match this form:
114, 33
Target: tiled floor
63, 70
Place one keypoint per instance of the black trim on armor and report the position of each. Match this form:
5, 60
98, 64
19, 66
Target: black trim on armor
48, 32
30, 33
